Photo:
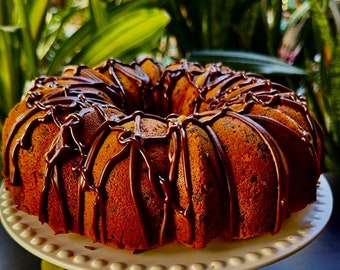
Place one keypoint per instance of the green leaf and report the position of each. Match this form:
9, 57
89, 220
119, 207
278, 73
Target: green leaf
122, 35
218, 17
125, 7
10, 83
179, 27
98, 13
247, 61
322, 31
56, 46
30, 53
36, 13
6, 17
73, 49
69, 47
300, 12
271, 11
332, 110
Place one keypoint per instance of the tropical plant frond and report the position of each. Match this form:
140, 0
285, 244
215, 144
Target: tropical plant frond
333, 94
98, 13
247, 61
37, 22
10, 77
323, 36
122, 35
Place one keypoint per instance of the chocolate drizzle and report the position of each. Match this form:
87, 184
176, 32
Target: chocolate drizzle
65, 101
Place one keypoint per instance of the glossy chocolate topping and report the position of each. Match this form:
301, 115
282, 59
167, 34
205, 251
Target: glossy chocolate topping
64, 101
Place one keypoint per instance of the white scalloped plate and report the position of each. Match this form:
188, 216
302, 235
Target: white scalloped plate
76, 252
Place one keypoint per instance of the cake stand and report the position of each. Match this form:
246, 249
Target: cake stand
72, 251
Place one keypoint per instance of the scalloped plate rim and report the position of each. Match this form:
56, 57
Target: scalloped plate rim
77, 252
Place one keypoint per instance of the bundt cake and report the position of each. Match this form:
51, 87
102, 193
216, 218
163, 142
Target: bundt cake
137, 156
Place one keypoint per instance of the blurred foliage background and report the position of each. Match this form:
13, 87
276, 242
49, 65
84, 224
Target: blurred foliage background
292, 42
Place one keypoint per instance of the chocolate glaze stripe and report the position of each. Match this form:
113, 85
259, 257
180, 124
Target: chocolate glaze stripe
128, 141
277, 159
73, 85
278, 95
134, 180
137, 150
300, 137
290, 99
65, 144
188, 210
132, 71
228, 176
8, 158
107, 87
228, 83
168, 185
132, 144
87, 182
166, 86
66, 104
100, 206
314, 127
